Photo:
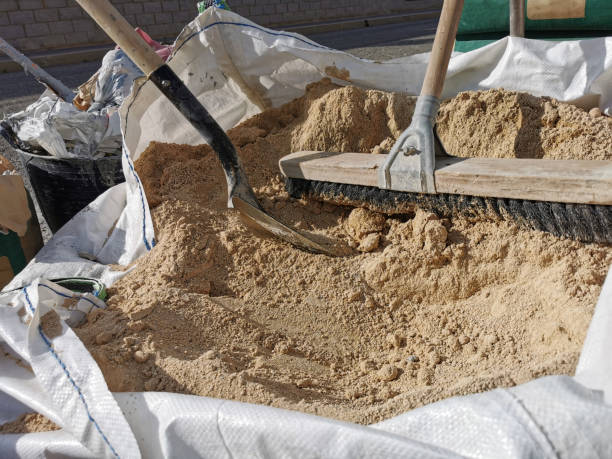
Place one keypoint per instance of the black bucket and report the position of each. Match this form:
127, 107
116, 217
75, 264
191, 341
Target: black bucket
65, 186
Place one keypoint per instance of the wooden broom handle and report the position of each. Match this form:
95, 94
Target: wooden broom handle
517, 18
442, 48
122, 33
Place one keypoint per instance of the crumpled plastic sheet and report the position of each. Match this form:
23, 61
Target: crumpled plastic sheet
115, 79
64, 131
234, 66
117, 74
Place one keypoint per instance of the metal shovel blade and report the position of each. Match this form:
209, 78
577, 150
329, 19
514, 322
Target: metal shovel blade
262, 220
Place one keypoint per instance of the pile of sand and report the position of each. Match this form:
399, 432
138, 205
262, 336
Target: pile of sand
508, 124
424, 309
28, 423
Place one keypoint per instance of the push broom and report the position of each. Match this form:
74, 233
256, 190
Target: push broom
568, 198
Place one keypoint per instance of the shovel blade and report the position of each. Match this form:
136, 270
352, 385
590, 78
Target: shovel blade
258, 218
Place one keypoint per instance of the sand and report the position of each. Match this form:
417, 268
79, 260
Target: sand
5, 165
506, 124
28, 423
425, 308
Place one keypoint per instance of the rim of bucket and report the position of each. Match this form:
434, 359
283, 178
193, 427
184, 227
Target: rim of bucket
8, 134
72, 160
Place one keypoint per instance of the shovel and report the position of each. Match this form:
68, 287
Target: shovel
240, 193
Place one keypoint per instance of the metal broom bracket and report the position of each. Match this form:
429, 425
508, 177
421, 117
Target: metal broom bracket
410, 164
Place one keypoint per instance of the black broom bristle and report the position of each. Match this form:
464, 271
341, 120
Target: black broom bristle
582, 222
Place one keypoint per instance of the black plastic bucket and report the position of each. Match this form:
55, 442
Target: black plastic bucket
65, 186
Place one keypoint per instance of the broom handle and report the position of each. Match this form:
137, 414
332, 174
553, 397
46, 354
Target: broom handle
517, 18
442, 48
122, 33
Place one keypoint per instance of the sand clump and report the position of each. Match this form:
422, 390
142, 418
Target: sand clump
433, 308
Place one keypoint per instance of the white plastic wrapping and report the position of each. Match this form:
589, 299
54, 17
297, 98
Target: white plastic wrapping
64, 131
115, 79
235, 68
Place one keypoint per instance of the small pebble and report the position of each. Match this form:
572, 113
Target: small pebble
369, 243
595, 112
388, 373
412, 358
463, 340
141, 357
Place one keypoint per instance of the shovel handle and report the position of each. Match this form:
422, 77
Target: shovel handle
122, 33
442, 48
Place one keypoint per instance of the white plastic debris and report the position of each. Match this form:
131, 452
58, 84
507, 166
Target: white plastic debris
58, 128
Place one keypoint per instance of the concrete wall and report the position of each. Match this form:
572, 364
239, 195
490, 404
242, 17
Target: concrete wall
40, 25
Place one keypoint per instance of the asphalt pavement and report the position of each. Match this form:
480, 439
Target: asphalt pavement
382, 43
379, 43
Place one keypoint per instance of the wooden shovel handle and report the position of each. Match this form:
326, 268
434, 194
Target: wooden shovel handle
442, 48
122, 33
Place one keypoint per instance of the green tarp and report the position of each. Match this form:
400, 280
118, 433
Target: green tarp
482, 16
484, 21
